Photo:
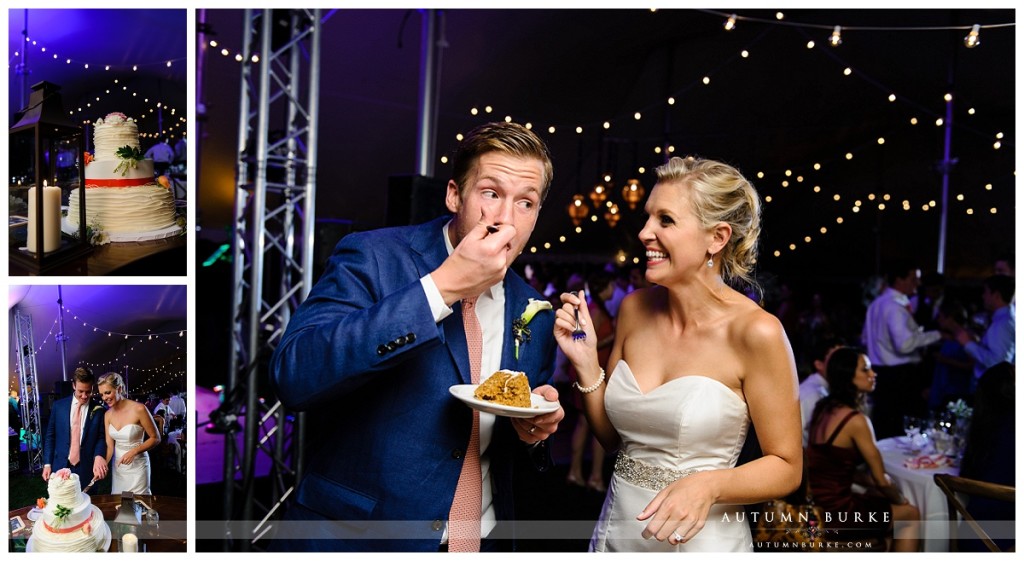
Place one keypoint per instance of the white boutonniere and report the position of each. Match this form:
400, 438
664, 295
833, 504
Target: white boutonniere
520, 331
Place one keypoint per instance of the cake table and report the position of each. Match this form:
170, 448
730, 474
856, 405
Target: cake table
171, 534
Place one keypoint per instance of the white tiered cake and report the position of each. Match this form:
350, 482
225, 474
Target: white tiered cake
122, 198
70, 522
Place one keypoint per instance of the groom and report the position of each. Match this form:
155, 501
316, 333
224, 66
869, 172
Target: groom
399, 316
74, 433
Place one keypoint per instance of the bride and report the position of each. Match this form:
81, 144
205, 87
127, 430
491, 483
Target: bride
130, 433
693, 364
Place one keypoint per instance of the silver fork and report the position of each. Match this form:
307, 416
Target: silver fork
578, 334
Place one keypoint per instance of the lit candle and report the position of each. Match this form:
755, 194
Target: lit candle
50, 217
129, 543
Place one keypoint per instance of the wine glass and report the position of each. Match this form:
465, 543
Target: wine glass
912, 428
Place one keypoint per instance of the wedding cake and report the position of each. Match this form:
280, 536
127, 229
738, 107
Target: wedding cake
69, 522
506, 388
122, 198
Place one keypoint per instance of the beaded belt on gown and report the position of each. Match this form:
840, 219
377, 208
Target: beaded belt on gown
645, 475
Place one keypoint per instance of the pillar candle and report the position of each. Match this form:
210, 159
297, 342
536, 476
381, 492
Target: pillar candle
50, 218
129, 543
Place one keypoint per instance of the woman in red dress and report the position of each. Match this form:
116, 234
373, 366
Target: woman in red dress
841, 437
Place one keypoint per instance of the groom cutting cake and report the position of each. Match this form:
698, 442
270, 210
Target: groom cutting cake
74, 434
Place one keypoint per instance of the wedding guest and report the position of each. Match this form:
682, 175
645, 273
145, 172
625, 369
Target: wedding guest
402, 465
998, 344
841, 437
952, 376
989, 454
815, 386
894, 341
1004, 264
176, 405
694, 362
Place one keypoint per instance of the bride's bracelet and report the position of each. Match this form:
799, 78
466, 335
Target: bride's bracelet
592, 387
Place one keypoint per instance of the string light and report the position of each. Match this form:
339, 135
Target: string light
730, 23
973, 37
836, 38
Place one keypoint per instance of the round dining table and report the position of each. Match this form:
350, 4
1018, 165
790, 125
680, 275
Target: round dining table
168, 534
919, 487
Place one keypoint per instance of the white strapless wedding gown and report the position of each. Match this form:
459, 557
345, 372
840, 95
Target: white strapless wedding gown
133, 477
692, 423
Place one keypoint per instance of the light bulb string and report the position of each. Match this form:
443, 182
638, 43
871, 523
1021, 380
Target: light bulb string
29, 42
831, 27
958, 124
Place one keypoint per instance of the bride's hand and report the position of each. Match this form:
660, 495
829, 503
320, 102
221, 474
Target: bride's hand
128, 457
679, 510
581, 351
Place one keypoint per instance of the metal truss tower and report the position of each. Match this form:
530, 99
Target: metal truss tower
273, 254
25, 349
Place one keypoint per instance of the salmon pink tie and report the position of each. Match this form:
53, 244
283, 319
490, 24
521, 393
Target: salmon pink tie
464, 518
76, 433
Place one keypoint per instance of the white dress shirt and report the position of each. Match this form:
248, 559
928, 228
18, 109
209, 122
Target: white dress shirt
891, 335
490, 311
812, 390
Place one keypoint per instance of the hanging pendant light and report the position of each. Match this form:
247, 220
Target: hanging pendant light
578, 210
633, 192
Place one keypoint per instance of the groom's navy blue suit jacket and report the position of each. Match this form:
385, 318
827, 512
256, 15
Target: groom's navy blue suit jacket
364, 352
57, 442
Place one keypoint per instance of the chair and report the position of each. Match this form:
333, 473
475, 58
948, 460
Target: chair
951, 485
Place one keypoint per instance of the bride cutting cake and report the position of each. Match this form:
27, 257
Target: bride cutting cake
130, 432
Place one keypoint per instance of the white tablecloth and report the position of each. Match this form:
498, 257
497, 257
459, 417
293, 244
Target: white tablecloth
920, 489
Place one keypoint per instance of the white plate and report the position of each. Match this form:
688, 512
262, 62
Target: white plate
540, 406
34, 514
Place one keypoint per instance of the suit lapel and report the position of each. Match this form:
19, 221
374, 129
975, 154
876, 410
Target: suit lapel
427, 241
455, 337
515, 303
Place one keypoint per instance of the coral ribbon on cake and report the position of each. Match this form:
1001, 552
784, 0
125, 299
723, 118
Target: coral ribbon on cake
68, 530
130, 182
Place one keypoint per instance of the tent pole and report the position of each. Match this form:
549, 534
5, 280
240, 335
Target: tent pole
61, 338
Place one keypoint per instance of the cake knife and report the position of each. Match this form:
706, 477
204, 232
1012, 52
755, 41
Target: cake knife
89, 486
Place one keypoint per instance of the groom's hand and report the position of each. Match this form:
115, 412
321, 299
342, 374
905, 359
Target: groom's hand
535, 429
477, 263
46, 472
99, 467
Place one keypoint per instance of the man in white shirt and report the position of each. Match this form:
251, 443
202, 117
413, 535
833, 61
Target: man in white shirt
893, 341
176, 405
815, 386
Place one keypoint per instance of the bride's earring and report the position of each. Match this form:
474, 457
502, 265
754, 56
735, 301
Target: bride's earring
711, 262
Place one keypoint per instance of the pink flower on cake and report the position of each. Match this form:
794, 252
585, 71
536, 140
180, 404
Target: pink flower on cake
88, 157
64, 474
118, 114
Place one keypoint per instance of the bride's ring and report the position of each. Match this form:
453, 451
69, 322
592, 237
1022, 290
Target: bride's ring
533, 428
678, 537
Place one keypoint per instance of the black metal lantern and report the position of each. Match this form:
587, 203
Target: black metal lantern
46, 162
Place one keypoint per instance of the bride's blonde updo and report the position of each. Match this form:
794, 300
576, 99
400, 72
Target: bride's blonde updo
721, 194
114, 380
